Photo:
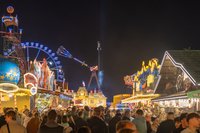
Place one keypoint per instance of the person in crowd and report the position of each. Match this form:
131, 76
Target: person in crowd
84, 129
107, 116
65, 124
193, 123
155, 124
51, 126
44, 120
126, 126
86, 113
177, 122
167, 126
140, 121
12, 126
148, 122
59, 119
33, 124
96, 123
113, 122
27, 118
127, 115
183, 123
18, 116
2, 118
79, 122
102, 112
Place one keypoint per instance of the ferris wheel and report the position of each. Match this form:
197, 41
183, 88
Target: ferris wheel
39, 51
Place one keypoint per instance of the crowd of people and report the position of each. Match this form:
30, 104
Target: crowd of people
97, 120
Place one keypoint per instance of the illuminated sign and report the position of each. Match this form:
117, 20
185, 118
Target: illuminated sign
8, 87
32, 81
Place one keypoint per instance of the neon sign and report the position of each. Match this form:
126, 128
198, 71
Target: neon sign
31, 80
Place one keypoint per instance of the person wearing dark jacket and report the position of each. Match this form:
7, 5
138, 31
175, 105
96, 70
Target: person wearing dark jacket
167, 126
127, 115
113, 122
79, 121
184, 123
96, 124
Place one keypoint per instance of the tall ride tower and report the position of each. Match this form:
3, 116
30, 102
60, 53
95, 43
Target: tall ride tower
11, 39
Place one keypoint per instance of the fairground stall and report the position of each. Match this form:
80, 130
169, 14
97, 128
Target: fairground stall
143, 84
92, 99
179, 80
29, 71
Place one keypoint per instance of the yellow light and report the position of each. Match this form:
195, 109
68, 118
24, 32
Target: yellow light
2, 85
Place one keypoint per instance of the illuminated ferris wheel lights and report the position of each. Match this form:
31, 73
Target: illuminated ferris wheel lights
41, 46
45, 48
20, 31
53, 54
32, 43
58, 62
27, 43
55, 58
60, 70
49, 51
50, 63
36, 44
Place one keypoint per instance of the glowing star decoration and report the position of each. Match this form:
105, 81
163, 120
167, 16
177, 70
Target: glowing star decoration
32, 81
9, 71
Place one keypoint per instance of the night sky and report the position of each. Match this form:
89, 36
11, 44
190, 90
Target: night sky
129, 32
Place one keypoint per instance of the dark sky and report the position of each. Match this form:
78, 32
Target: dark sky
130, 32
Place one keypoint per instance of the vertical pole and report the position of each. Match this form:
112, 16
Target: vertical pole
100, 73
15, 100
27, 52
0, 100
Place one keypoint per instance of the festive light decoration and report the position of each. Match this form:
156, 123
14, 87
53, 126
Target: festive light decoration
9, 71
8, 87
145, 77
56, 64
31, 80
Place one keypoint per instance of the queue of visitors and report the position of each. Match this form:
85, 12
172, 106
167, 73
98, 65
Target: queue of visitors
97, 120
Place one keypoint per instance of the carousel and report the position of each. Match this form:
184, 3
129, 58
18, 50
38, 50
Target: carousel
31, 74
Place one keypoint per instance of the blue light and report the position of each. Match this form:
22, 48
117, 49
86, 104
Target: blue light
27, 43
5, 53
22, 44
57, 62
36, 44
49, 51
100, 76
45, 48
53, 54
41, 46
20, 31
10, 30
55, 58
32, 43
